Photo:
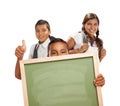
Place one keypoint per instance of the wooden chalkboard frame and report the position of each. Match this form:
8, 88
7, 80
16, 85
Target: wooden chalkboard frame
93, 55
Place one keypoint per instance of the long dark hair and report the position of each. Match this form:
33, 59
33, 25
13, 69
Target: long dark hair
99, 41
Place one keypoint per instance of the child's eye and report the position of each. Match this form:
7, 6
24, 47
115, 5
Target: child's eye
37, 31
89, 24
43, 30
53, 53
63, 51
95, 24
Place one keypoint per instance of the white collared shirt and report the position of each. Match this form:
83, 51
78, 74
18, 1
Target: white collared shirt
78, 37
42, 49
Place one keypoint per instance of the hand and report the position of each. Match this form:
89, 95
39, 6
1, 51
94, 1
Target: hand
102, 54
20, 50
83, 48
100, 80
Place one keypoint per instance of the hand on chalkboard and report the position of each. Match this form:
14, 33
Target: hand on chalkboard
83, 48
20, 50
100, 80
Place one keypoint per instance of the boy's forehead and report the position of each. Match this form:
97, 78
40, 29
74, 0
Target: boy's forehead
39, 27
59, 45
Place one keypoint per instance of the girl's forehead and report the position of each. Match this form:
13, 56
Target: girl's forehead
92, 20
42, 25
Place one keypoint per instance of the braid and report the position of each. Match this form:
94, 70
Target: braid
99, 43
97, 33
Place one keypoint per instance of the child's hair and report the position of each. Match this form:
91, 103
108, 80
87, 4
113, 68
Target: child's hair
57, 40
42, 22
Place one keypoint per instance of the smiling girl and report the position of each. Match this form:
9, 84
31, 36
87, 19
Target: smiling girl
88, 38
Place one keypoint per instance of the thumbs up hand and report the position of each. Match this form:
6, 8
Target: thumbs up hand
23, 45
20, 50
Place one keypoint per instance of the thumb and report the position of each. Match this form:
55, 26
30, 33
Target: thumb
24, 45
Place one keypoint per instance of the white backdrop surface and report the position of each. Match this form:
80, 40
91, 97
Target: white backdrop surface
17, 21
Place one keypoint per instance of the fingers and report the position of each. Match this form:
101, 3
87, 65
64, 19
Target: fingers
24, 45
99, 81
20, 50
84, 48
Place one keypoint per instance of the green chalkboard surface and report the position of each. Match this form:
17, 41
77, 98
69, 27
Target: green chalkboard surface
63, 81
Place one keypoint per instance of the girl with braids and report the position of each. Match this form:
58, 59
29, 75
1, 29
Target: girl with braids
88, 38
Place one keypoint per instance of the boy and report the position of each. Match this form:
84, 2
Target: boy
42, 30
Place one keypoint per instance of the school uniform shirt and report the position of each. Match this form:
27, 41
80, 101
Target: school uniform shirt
42, 49
80, 38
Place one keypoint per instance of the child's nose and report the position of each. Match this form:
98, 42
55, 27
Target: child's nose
59, 54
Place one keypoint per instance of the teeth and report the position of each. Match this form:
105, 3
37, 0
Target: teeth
91, 31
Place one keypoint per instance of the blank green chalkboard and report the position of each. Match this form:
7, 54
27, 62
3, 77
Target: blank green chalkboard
61, 81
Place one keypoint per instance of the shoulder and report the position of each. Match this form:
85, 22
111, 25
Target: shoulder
76, 34
33, 46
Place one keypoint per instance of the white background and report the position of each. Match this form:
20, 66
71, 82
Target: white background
17, 21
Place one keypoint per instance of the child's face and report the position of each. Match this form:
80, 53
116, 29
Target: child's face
42, 32
57, 49
91, 27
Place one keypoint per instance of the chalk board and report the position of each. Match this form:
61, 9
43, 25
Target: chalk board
61, 81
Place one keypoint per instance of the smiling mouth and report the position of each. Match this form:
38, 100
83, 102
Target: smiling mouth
40, 37
91, 31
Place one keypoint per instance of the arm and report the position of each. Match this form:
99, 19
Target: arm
81, 49
71, 44
19, 52
17, 70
